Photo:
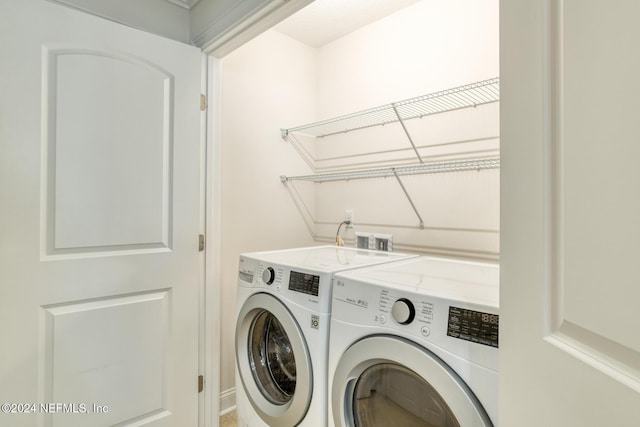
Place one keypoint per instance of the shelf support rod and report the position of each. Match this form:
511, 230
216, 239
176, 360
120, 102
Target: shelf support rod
406, 193
395, 110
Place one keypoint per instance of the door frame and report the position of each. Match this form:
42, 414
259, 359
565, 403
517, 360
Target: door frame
215, 45
211, 319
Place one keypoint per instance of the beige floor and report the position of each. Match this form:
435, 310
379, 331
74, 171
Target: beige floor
229, 420
390, 414
382, 411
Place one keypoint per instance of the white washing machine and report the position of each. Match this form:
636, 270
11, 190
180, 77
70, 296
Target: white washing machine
282, 332
415, 343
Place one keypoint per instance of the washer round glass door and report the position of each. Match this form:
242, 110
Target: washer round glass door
271, 358
273, 361
387, 380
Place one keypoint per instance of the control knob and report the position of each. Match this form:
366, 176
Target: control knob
268, 275
403, 311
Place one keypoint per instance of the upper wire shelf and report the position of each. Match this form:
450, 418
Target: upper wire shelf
469, 95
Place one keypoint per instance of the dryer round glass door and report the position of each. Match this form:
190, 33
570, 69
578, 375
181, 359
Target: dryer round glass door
388, 380
273, 360
388, 394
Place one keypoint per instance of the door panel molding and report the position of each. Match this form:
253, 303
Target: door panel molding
600, 338
99, 344
133, 141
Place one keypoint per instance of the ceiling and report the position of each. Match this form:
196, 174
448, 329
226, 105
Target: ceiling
187, 4
324, 21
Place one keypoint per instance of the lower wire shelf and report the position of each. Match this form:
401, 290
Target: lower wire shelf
422, 168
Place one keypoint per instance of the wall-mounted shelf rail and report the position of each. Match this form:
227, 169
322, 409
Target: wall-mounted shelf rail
469, 95
423, 168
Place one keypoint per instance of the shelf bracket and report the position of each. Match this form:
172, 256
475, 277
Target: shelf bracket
406, 193
395, 110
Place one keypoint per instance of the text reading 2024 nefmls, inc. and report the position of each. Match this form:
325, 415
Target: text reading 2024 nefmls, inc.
53, 408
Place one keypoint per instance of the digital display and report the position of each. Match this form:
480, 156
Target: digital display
305, 283
474, 326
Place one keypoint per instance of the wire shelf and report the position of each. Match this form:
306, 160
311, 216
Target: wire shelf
423, 168
470, 95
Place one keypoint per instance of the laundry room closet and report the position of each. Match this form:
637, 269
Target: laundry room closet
277, 174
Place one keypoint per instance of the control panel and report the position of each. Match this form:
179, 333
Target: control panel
474, 326
420, 315
403, 310
297, 285
304, 283
444, 321
268, 275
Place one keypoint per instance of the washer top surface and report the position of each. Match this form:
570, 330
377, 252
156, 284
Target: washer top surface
474, 282
327, 258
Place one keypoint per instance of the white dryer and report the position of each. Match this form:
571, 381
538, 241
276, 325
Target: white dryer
282, 332
415, 343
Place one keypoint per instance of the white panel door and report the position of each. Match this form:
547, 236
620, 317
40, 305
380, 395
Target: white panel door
99, 222
570, 270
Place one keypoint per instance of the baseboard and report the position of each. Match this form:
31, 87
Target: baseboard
227, 401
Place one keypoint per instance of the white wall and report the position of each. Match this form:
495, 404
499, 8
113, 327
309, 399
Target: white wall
424, 48
266, 83
274, 81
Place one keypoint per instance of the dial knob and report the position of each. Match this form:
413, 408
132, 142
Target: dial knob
268, 275
403, 311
